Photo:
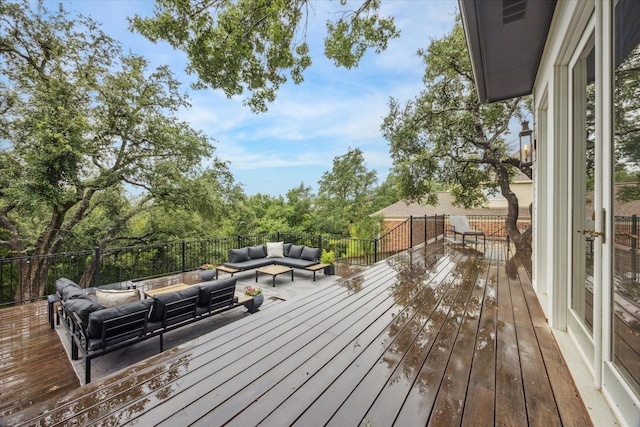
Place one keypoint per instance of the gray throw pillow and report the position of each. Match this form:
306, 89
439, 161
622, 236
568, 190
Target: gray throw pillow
256, 252
286, 248
239, 255
310, 254
295, 251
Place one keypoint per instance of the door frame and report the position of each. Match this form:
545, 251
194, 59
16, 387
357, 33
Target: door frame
584, 338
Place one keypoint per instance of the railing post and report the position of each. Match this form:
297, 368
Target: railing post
411, 231
96, 266
375, 250
184, 256
425, 229
634, 232
444, 225
320, 243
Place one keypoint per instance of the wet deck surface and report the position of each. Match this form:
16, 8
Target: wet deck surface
441, 336
33, 363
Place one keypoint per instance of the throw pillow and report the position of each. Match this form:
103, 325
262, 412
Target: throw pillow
275, 250
112, 298
239, 255
286, 247
310, 254
256, 252
295, 251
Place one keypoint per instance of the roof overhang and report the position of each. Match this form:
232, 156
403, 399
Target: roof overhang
505, 39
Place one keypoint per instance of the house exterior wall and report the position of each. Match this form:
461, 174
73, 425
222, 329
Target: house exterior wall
522, 189
577, 24
398, 235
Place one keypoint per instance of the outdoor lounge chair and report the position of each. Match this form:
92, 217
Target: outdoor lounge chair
460, 225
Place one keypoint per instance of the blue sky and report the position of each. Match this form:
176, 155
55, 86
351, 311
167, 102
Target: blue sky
309, 124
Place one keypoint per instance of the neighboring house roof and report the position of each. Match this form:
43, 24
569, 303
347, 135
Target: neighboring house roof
506, 40
521, 177
629, 208
401, 210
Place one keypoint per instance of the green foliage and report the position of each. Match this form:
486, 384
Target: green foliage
337, 247
386, 193
327, 257
91, 138
299, 213
354, 32
249, 45
367, 227
345, 193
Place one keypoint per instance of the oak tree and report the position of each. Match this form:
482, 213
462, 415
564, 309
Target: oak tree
445, 136
87, 134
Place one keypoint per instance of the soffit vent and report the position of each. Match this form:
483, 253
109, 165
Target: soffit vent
513, 10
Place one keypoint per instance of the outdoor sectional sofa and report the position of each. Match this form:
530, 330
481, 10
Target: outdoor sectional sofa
279, 253
96, 330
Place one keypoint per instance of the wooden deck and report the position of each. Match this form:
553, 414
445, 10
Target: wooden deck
34, 365
439, 336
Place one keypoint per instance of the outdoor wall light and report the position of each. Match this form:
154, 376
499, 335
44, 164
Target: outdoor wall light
525, 138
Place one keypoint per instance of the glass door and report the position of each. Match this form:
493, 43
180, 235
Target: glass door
584, 236
625, 310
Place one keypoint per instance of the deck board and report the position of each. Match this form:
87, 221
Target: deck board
510, 404
480, 410
263, 394
443, 335
566, 397
534, 375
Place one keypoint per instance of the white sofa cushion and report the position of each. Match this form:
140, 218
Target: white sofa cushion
275, 250
112, 298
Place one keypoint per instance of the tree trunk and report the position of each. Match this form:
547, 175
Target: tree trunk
33, 279
522, 241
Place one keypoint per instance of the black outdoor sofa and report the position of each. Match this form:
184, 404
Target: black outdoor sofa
96, 331
279, 253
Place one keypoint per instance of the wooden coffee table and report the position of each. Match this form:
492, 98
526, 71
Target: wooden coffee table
316, 267
226, 269
274, 270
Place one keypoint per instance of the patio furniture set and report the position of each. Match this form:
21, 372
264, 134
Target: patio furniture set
274, 258
105, 320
